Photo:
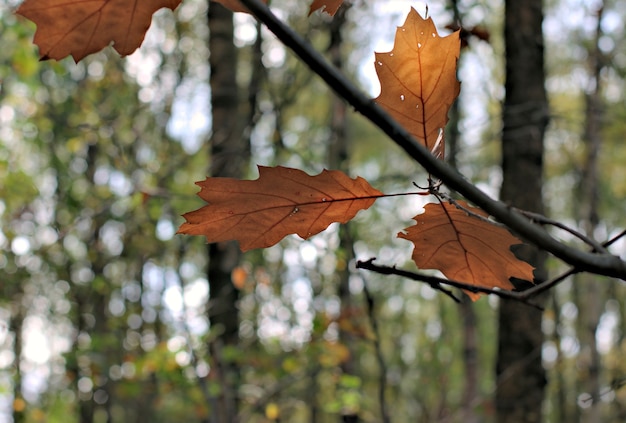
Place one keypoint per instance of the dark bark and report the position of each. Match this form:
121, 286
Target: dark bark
521, 377
338, 158
228, 157
97, 306
15, 326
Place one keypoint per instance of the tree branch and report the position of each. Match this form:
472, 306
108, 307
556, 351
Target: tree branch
522, 296
436, 282
549, 284
543, 220
433, 281
602, 264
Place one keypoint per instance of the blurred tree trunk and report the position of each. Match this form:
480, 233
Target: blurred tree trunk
466, 308
562, 406
338, 158
15, 326
590, 290
97, 302
85, 405
470, 360
228, 157
521, 377
102, 395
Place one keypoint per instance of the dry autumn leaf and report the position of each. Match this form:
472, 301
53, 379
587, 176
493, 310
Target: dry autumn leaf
79, 28
418, 79
328, 6
282, 201
465, 248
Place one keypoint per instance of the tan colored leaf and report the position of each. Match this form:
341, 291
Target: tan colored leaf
235, 5
328, 6
80, 27
465, 248
418, 78
282, 201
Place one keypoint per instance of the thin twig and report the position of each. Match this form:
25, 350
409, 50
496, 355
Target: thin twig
546, 285
522, 296
541, 219
615, 238
614, 386
435, 282
443, 196
549, 284
602, 264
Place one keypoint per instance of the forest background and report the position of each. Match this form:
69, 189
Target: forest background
106, 311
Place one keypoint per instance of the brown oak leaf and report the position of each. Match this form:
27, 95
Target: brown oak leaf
328, 6
465, 248
79, 28
280, 202
418, 79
